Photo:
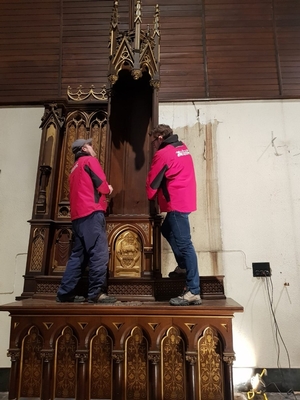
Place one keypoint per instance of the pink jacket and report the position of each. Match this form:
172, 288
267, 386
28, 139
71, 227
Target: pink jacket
88, 187
172, 177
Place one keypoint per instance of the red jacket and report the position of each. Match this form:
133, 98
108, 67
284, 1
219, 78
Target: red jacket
88, 187
172, 177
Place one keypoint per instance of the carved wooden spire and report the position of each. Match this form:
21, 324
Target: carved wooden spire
135, 50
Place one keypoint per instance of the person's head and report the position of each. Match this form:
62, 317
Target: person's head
83, 145
160, 133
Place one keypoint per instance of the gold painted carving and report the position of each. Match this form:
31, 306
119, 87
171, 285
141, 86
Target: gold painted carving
173, 366
128, 251
47, 355
136, 365
225, 326
14, 354
145, 228
190, 326
48, 325
80, 124
229, 358
37, 250
118, 356
153, 326
83, 325
210, 366
82, 95
66, 366
118, 325
191, 358
154, 357
62, 246
31, 364
100, 365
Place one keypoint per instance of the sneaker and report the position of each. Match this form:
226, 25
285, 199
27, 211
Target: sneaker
103, 298
186, 299
70, 299
178, 273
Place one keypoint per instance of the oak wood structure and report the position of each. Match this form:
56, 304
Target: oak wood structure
126, 351
140, 347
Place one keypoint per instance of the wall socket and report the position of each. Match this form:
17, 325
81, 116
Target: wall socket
261, 269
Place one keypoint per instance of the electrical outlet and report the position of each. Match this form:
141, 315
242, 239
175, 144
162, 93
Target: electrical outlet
261, 269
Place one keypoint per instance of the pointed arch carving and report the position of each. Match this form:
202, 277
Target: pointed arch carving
173, 365
31, 364
101, 365
81, 124
210, 365
136, 365
66, 366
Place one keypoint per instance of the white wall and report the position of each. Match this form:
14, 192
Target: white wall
257, 159
19, 150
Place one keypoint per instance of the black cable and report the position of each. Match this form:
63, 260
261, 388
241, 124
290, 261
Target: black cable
278, 333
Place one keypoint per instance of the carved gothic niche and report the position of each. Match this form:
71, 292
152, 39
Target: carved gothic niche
80, 124
133, 110
52, 122
134, 78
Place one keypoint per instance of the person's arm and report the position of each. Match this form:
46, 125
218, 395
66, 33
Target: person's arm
95, 171
155, 175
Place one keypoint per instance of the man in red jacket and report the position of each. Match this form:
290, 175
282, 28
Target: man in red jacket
88, 190
172, 179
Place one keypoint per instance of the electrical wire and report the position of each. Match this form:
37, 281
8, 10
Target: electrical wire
270, 291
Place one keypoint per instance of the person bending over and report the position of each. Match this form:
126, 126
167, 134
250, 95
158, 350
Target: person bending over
172, 179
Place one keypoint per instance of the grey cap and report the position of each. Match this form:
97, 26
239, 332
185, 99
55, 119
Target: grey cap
79, 143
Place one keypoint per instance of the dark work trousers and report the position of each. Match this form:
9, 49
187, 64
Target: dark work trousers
90, 243
176, 229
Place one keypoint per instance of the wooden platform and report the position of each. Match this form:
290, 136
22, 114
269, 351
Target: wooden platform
126, 351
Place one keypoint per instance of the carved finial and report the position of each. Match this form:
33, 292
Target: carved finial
156, 22
138, 12
114, 16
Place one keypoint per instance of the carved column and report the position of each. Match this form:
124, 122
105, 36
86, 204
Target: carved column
118, 375
47, 356
228, 358
82, 356
192, 392
154, 372
14, 355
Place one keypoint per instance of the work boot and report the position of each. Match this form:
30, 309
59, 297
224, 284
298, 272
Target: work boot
102, 298
178, 273
70, 299
186, 299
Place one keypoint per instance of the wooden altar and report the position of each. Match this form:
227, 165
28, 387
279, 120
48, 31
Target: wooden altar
141, 347
125, 351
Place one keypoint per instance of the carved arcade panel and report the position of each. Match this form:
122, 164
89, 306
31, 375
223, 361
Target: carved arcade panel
80, 124
121, 352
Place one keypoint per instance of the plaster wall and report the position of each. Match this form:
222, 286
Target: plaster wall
19, 151
257, 157
247, 157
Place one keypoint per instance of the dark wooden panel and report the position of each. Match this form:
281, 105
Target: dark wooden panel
209, 48
288, 40
240, 48
29, 48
